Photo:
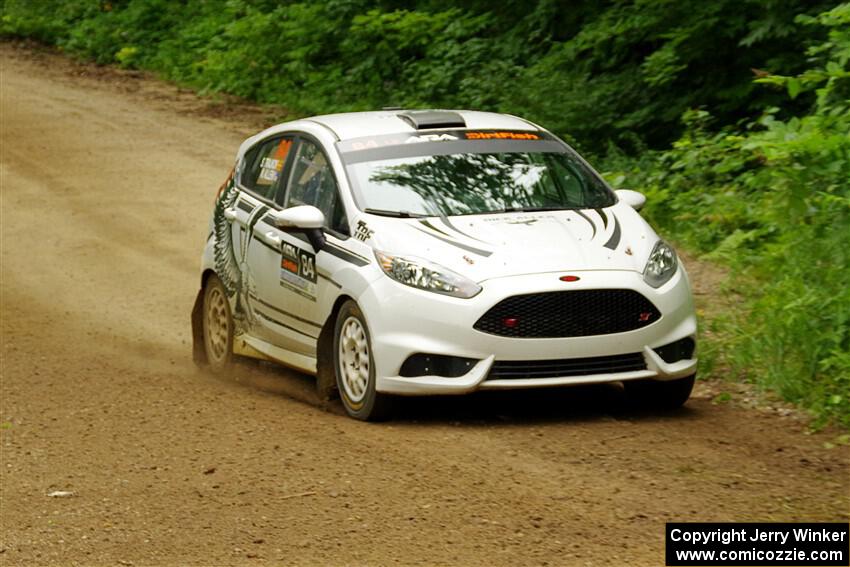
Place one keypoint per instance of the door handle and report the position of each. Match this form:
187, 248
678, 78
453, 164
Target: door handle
231, 215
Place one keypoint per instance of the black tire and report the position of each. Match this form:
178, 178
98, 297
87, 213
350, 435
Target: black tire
355, 383
660, 395
217, 327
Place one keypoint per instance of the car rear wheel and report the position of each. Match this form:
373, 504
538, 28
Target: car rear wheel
218, 326
656, 394
355, 367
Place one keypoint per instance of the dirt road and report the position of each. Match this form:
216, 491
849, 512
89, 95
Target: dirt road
107, 183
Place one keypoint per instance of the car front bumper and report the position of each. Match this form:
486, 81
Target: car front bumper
404, 321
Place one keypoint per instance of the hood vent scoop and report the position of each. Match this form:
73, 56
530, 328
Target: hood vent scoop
432, 119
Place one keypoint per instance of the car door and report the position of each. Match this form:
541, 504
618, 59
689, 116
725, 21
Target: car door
295, 297
260, 179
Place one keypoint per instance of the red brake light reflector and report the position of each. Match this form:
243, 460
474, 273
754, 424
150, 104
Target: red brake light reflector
569, 278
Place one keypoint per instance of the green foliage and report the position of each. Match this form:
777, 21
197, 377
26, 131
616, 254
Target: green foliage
773, 202
618, 72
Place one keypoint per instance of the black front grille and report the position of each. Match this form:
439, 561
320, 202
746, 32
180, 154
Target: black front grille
519, 369
577, 313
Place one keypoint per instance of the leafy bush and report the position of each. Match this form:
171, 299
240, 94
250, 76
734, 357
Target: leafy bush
773, 201
597, 73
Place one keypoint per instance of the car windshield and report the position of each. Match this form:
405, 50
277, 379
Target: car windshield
475, 183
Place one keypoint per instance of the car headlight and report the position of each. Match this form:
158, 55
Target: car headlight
426, 275
661, 266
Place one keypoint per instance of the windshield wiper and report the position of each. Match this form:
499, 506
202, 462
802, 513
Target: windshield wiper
397, 214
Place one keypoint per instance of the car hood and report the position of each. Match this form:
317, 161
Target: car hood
483, 247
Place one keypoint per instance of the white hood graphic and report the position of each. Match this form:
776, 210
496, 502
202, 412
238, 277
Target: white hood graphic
483, 247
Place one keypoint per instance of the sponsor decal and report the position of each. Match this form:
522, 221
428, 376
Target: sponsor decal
271, 163
431, 138
501, 136
363, 232
270, 167
269, 172
518, 218
374, 142
298, 270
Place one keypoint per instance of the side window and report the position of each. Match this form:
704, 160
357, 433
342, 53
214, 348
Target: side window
312, 183
263, 166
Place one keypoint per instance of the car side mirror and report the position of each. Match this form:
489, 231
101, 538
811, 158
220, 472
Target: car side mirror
633, 199
304, 218
299, 218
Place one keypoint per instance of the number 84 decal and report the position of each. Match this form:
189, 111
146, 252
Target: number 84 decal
298, 270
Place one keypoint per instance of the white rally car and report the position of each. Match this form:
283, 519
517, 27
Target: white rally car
438, 252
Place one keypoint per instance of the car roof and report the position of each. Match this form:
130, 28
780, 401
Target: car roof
358, 124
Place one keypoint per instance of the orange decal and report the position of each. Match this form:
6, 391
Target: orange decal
501, 136
289, 265
281, 152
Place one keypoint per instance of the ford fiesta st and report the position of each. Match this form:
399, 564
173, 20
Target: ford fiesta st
438, 252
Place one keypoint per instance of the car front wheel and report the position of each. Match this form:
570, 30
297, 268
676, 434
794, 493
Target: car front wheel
355, 368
